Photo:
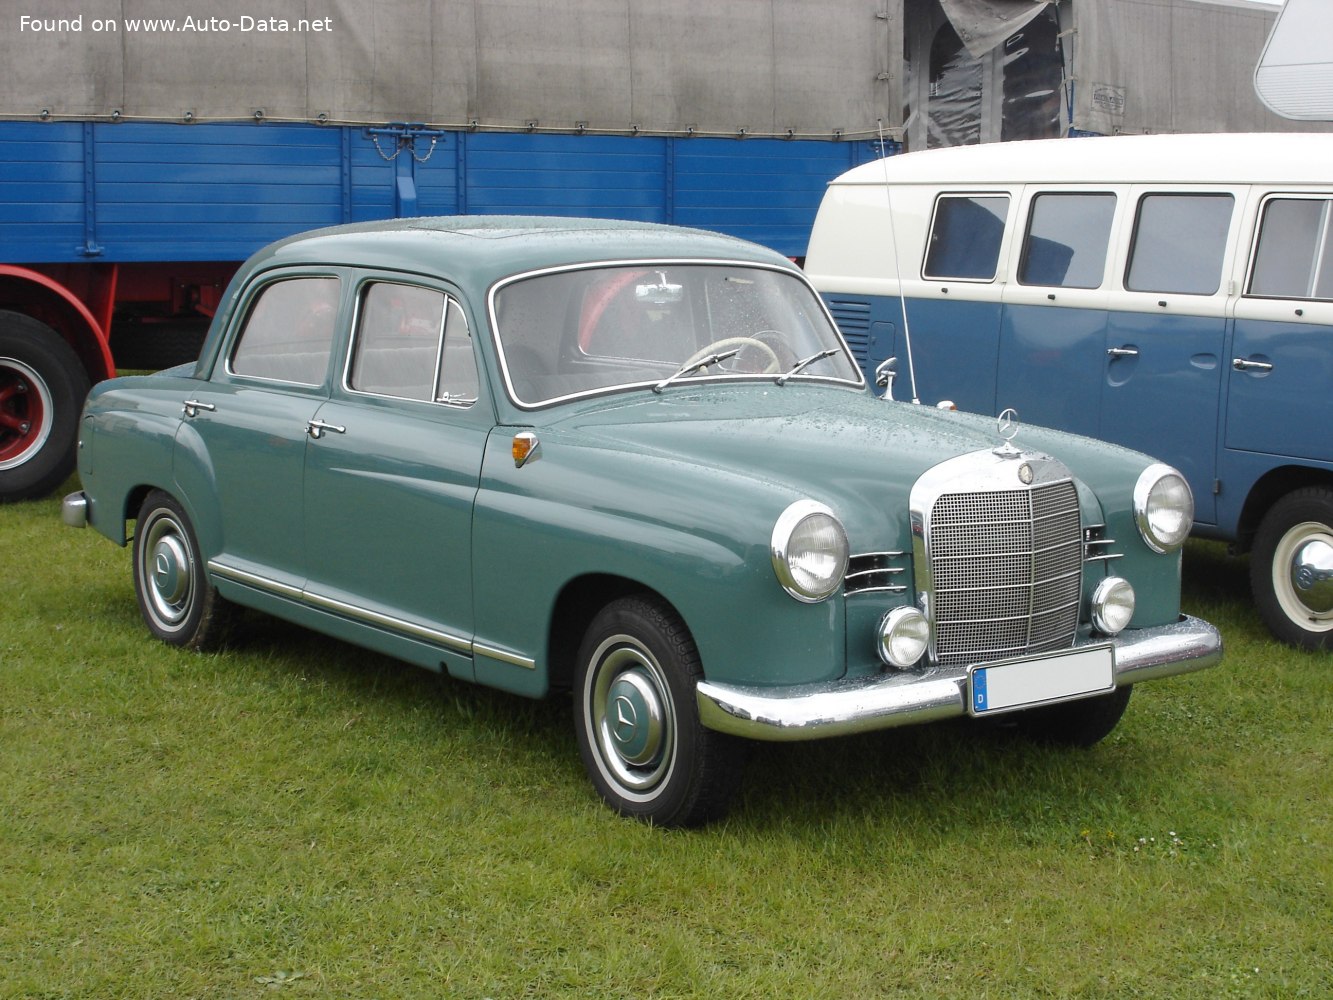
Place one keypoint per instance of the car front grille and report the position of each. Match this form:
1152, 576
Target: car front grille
1006, 570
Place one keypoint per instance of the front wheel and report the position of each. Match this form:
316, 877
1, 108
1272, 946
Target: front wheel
177, 602
638, 723
1081, 723
1291, 568
42, 386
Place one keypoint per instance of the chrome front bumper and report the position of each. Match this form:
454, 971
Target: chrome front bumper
840, 708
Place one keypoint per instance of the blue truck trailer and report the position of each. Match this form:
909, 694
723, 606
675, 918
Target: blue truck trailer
117, 240
144, 153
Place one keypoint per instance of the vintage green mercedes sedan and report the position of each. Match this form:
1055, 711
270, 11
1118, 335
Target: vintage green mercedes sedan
640, 464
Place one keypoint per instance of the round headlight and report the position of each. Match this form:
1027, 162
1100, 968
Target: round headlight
1112, 605
809, 551
904, 634
1163, 508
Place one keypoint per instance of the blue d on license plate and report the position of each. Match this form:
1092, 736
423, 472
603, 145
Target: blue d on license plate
1030, 681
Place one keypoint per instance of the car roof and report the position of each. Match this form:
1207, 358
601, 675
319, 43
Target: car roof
1273, 158
484, 248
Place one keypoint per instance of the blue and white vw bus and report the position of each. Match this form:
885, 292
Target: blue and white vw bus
1170, 293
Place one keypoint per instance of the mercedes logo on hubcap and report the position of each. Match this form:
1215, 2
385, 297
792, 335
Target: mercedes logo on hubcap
626, 720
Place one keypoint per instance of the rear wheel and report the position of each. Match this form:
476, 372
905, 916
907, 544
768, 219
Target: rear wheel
177, 602
42, 387
637, 720
1291, 568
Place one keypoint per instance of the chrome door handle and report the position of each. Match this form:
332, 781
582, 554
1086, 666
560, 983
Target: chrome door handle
193, 406
1123, 352
1245, 365
316, 429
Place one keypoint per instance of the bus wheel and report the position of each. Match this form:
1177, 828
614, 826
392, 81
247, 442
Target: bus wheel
42, 387
1291, 568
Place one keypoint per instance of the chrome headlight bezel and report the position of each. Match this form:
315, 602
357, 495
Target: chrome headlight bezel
1112, 605
1163, 508
804, 530
904, 637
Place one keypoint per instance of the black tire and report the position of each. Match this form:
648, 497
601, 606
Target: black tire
1081, 723
42, 388
1290, 567
177, 602
638, 722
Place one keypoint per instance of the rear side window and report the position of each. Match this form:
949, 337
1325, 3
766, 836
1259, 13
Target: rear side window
1067, 240
1294, 257
288, 333
413, 343
965, 237
1179, 243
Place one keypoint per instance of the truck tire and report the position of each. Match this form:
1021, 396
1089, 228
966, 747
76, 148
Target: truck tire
42, 388
1291, 568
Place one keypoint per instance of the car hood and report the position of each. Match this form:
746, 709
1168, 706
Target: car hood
858, 454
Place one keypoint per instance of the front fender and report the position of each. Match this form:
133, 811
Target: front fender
680, 531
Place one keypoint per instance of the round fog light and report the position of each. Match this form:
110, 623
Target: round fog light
1112, 605
904, 634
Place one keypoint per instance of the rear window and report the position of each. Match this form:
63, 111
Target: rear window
1179, 243
288, 333
1294, 256
965, 237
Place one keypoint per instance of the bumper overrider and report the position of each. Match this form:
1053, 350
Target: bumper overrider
840, 708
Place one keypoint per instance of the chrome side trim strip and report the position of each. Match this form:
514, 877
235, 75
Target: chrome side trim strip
255, 580
504, 655
840, 708
412, 630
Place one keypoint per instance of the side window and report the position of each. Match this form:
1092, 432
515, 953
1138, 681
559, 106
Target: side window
1179, 243
412, 343
288, 333
1294, 256
397, 348
965, 237
1067, 240
457, 383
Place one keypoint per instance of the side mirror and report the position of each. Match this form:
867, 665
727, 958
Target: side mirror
884, 376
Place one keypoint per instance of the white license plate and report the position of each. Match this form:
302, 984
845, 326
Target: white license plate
1041, 680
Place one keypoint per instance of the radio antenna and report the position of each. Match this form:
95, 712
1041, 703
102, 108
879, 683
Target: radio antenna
897, 266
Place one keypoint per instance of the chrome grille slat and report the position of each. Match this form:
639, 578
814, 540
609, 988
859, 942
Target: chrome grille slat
1007, 571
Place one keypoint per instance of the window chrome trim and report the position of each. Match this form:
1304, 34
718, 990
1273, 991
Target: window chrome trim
599, 265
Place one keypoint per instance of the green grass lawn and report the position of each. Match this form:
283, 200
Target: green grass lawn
297, 816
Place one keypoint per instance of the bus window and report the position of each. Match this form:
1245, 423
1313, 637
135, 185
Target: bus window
965, 237
1067, 238
1179, 243
1294, 258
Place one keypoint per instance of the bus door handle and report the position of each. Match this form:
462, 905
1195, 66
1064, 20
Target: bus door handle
1246, 365
1123, 352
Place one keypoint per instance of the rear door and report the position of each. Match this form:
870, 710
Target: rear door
240, 457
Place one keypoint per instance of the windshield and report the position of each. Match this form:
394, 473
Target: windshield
594, 329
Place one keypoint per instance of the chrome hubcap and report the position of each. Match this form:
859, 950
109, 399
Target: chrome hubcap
167, 572
630, 717
1303, 575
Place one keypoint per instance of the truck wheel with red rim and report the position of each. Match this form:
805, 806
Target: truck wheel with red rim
42, 387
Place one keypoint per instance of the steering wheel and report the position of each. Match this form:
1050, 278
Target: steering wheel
772, 365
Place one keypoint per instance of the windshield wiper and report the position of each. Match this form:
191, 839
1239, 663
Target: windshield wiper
803, 364
695, 366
